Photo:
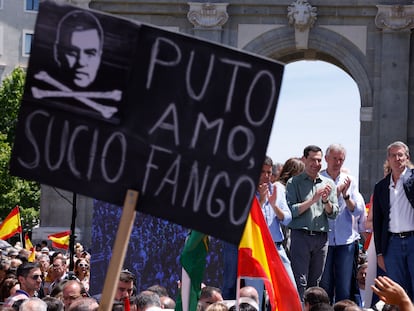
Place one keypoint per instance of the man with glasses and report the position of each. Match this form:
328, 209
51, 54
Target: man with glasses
59, 270
30, 280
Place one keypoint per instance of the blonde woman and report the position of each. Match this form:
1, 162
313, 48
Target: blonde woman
82, 272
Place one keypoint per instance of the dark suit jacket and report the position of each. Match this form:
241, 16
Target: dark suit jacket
381, 206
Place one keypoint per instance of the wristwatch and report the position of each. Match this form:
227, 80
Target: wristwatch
346, 197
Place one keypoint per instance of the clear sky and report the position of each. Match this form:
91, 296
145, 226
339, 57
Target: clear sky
319, 104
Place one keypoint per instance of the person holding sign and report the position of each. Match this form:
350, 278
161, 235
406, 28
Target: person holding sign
312, 200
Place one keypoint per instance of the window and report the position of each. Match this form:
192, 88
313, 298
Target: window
32, 5
27, 42
1, 42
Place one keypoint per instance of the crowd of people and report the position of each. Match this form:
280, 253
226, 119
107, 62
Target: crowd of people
319, 224
318, 221
47, 284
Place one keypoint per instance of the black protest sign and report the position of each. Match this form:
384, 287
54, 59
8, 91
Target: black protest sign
111, 105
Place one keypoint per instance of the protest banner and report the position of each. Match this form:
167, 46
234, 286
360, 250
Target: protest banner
111, 105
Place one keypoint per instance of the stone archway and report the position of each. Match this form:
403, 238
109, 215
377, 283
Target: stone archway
323, 45
370, 41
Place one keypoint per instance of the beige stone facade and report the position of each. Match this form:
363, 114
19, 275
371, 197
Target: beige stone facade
370, 40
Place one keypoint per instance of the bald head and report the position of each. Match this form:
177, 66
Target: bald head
250, 292
72, 290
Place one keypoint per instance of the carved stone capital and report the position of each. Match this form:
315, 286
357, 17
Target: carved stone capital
80, 3
207, 15
302, 15
395, 17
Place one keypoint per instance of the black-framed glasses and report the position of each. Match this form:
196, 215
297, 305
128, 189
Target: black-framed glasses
36, 276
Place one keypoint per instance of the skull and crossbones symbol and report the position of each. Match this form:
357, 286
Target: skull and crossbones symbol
78, 51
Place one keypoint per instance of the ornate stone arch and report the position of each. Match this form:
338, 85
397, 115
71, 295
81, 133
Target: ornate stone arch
324, 45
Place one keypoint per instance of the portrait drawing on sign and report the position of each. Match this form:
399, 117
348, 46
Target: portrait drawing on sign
77, 52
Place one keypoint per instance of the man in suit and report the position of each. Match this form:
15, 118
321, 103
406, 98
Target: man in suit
393, 218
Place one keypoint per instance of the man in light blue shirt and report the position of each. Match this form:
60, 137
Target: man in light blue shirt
275, 211
337, 275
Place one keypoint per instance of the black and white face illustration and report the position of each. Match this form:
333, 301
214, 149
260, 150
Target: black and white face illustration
77, 53
84, 57
78, 47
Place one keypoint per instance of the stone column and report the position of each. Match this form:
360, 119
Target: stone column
208, 19
396, 22
56, 214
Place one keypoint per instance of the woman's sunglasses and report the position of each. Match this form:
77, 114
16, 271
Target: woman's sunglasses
83, 265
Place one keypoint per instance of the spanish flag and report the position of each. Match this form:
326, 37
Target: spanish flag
11, 224
258, 257
29, 246
60, 239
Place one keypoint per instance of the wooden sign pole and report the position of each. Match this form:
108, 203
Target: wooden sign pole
119, 251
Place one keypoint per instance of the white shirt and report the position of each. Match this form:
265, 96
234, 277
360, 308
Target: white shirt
401, 211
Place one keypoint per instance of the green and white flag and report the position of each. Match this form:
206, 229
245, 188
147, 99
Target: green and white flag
193, 262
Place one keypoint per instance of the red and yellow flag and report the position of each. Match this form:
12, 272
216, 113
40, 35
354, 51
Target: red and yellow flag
258, 257
60, 239
11, 224
29, 246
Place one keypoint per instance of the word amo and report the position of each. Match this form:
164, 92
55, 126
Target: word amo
215, 192
169, 121
72, 142
165, 53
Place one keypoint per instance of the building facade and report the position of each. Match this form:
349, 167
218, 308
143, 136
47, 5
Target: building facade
370, 40
17, 20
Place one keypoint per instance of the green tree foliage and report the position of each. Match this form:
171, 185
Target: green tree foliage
11, 92
13, 190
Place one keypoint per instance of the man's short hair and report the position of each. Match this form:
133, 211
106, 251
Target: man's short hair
314, 295
69, 282
158, 289
309, 149
398, 144
53, 303
244, 306
268, 161
146, 299
321, 306
25, 268
335, 147
33, 303
126, 276
208, 291
84, 304
75, 21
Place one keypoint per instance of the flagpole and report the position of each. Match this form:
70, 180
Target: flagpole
21, 231
72, 233
238, 294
